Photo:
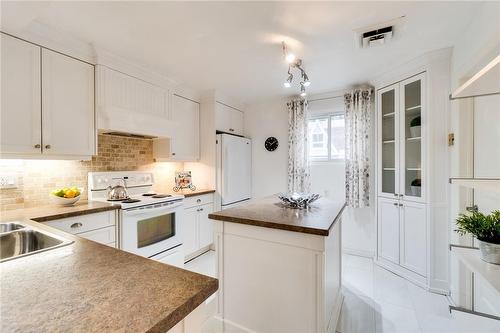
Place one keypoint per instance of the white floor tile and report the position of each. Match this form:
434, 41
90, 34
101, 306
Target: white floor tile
204, 264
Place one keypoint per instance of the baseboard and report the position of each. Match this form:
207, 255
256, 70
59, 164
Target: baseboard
357, 252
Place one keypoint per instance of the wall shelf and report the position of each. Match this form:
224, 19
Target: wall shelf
416, 138
416, 107
488, 184
470, 257
389, 169
414, 169
387, 115
388, 141
485, 82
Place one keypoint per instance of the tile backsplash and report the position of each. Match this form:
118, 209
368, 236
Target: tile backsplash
37, 178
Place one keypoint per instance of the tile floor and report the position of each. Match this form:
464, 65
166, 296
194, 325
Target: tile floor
381, 302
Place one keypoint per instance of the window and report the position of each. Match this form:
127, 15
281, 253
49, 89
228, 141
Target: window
327, 137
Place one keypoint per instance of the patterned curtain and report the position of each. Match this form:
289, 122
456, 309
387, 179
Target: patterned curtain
358, 110
298, 149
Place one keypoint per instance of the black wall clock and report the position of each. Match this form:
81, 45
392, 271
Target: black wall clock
271, 143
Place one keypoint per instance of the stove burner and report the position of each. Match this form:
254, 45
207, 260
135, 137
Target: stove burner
158, 196
130, 200
119, 199
148, 194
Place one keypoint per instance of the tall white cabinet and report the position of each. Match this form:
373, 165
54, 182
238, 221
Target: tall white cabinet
412, 170
402, 182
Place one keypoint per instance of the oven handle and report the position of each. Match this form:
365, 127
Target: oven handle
147, 210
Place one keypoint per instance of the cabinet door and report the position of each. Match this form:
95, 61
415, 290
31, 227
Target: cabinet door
411, 128
67, 105
206, 225
185, 144
222, 117
190, 230
414, 237
236, 122
388, 229
388, 143
20, 114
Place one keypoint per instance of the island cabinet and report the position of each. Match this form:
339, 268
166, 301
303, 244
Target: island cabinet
279, 269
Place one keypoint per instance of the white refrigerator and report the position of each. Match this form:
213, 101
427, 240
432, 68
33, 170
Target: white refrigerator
234, 170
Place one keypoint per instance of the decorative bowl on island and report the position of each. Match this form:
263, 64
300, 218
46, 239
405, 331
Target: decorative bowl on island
298, 200
66, 196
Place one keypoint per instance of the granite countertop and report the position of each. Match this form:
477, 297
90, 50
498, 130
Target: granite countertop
269, 212
89, 287
188, 193
54, 212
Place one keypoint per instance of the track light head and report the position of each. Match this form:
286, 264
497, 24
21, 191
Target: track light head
305, 79
302, 90
288, 82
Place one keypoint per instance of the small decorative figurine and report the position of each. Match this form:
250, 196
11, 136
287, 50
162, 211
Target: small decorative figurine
183, 180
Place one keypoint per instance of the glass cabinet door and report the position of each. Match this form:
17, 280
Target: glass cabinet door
411, 142
388, 144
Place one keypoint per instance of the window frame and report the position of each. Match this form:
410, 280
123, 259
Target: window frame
328, 116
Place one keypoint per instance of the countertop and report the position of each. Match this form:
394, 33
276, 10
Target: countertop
89, 287
188, 193
269, 212
54, 212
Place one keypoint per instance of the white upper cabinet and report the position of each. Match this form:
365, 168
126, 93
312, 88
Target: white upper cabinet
20, 97
67, 105
185, 143
47, 103
228, 119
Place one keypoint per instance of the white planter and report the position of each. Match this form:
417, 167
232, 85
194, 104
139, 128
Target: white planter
489, 252
415, 131
415, 190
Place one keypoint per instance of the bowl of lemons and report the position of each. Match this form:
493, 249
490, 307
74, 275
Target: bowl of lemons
66, 196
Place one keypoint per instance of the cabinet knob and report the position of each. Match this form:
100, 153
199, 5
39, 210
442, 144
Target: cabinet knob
231, 130
401, 205
395, 204
201, 209
395, 194
76, 225
199, 200
173, 154
401, 195
37, 146
48, 146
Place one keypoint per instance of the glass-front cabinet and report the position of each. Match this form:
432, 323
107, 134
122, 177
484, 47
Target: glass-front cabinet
400, 137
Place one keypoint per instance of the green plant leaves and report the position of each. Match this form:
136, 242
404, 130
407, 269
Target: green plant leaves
484, 227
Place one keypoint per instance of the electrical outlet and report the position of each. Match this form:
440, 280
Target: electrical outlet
8, 181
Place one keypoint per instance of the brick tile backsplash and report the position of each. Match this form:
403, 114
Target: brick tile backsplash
37, 178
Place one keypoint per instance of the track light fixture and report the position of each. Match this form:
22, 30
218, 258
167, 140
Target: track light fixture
295, 62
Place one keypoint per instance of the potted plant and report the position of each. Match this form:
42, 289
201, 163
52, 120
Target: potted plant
415, 127
486, 228
416, 186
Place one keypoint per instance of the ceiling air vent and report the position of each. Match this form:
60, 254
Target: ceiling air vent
379, 33
378, 36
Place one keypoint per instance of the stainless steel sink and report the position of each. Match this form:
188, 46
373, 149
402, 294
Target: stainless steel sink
26, 241
6, 227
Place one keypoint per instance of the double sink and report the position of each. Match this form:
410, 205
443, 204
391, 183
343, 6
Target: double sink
19, 240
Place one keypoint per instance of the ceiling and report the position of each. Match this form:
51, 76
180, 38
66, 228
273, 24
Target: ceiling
235, 47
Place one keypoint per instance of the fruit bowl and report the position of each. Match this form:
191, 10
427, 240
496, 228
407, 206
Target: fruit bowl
66, 196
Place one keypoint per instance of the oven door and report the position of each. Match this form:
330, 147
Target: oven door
149, 230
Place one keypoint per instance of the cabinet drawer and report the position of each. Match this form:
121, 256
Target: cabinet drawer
198, 200
104, 235
84, 223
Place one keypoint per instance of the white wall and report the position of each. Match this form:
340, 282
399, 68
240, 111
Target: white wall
269, 169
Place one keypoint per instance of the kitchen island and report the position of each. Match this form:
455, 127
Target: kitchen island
279, 268
90, 287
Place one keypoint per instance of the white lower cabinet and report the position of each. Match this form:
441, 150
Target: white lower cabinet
198, 232
388, 217
413, 251
97, 227
402, 235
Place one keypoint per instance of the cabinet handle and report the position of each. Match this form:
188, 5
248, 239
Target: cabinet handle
173, 154
401, 205
48, 146
395, 204
201, 209
231, 130
401, 195
395, 194
199, 200
37, 146
76, 225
